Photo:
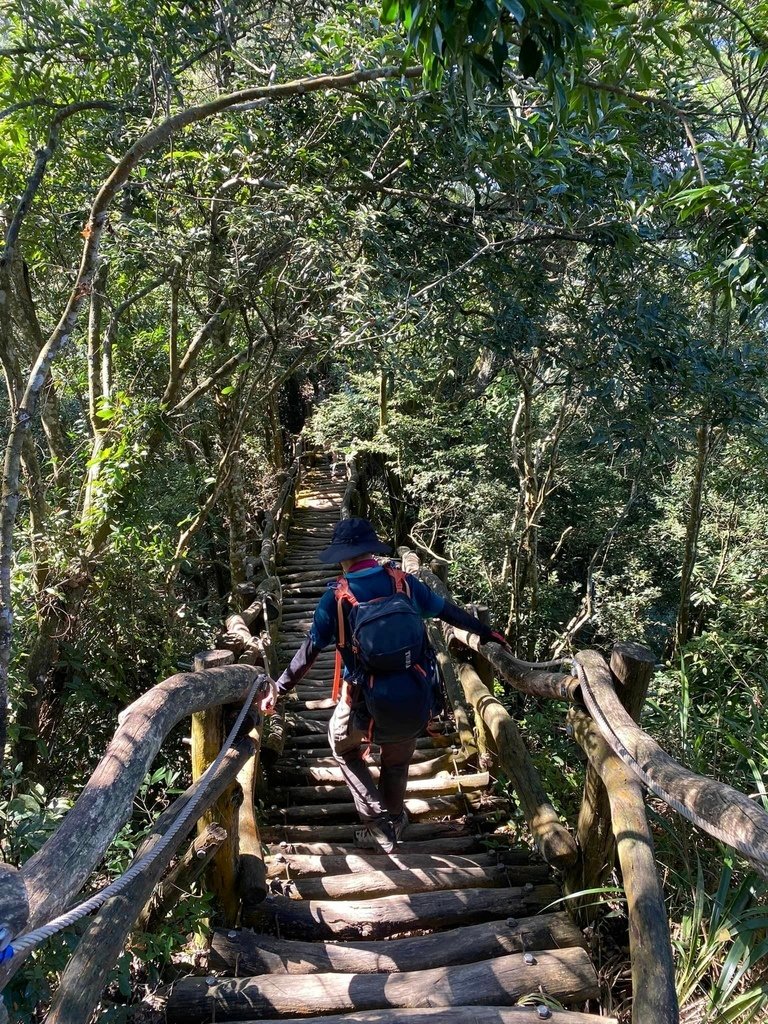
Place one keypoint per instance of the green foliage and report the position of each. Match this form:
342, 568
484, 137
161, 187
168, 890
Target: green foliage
478, 35
720, 943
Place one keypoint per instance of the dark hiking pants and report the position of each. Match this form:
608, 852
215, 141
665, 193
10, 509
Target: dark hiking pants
348, 743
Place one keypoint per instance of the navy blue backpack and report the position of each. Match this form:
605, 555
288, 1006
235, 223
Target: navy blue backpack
386, 636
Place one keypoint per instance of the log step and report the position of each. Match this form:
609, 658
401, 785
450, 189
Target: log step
451, 845
306, 773
419, 809
242, 953
441, 784
339, 813
321, 757
374, 884
564, 974
439, 743
466, 826
286, 865
393, 915
452, 1015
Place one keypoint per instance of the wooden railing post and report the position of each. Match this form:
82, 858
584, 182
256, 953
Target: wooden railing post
632, 666
207, 738
486, 673
653, 970
251, 869
553, 841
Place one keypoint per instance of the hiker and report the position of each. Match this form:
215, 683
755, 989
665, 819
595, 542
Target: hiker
390, 690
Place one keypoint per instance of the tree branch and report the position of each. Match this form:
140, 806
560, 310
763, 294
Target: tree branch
36, 177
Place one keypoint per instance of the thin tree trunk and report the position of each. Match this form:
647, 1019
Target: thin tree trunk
383, 398
96, 382
692, 530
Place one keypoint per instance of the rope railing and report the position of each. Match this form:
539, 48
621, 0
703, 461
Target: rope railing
31, 939
718, 809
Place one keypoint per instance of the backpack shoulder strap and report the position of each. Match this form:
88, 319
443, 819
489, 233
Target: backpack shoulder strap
343, 593
400, 580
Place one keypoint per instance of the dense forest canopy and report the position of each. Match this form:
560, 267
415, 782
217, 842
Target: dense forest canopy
514, 251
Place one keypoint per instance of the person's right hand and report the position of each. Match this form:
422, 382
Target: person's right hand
269, 700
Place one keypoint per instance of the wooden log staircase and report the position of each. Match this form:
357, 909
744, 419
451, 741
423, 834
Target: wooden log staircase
459, 925
453, 927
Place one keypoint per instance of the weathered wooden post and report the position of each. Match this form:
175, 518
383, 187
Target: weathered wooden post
632, 668
653, 969
251, 870
207, 738
485, 671
180, 878
553, 840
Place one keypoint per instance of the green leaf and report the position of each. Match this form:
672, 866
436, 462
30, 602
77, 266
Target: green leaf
390, 10
516, 9
530, 57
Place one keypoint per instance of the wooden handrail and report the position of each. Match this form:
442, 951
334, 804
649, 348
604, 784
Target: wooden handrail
83, 981
536, 682
57, 872
714, 806
632, 666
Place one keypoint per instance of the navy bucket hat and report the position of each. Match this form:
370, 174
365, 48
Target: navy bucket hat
353, 537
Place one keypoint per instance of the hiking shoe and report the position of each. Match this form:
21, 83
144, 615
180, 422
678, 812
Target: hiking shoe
399, 824
376, 834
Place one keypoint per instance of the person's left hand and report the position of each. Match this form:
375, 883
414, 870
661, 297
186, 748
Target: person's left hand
269, 700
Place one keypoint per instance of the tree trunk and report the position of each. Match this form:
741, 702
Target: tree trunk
383, 398
692, 530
